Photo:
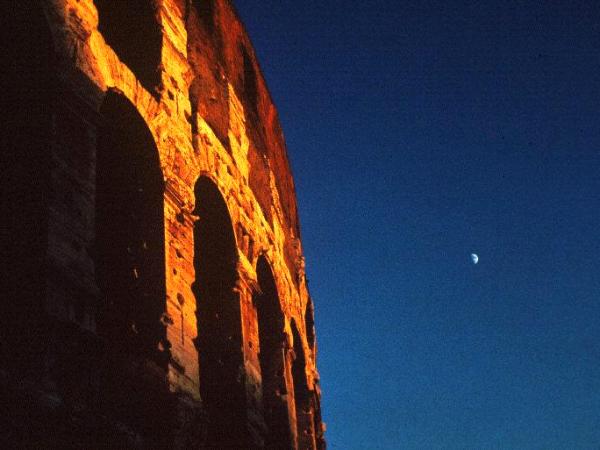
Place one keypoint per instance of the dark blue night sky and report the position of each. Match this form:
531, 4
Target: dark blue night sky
420, 132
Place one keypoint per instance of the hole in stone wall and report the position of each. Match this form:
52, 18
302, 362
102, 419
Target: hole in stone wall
270, 328
132, 30
130, 266
309, 321
250, 81
219, 318
205, 10
208, 91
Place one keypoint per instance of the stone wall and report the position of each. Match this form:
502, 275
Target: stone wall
156, 294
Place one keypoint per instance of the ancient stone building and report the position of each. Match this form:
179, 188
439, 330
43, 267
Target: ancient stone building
153, 285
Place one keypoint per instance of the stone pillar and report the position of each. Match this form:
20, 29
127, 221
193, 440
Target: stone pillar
250, 344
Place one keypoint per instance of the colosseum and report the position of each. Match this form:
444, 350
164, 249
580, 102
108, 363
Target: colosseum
153, 289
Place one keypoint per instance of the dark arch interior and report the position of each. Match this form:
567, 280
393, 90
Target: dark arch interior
130, 265
250, 81
302, 395
206, 11
309, 321
272, 363
317, 421
130, 27
219, 318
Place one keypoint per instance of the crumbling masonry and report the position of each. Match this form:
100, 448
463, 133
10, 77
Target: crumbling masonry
153, 286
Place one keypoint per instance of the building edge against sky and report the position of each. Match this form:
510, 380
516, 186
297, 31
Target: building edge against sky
155, 293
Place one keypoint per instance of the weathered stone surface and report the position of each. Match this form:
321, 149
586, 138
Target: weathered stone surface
156, 294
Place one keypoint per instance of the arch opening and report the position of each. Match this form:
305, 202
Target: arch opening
272, 358
132, 30
317, 422
219, 318
206, 12
250, 82
302, 395
129, 260
309, 322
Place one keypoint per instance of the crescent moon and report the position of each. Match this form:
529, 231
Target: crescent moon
474, 258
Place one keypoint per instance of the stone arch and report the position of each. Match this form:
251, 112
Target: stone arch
132, 29
302, 394
219, 317
271, 325
129, 257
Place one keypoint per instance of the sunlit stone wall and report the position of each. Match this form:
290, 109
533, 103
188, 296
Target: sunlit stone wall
219, 352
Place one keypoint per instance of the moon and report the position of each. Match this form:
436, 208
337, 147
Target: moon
474, 258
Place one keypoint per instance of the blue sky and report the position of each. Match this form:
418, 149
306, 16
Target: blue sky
420, 132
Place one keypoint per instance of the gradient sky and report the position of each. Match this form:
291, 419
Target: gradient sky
420, 132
